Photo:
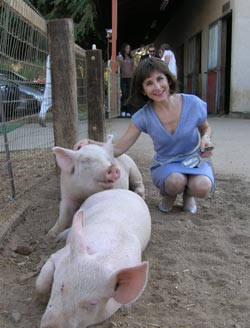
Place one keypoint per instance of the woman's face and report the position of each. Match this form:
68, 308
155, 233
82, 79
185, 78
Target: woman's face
156, 87
127, 49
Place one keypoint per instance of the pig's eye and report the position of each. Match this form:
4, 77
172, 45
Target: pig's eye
85, 160
90, 306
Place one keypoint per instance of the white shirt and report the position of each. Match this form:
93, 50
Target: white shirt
172, 61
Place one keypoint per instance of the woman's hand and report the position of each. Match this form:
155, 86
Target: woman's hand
206, 146
81, 144
85, 142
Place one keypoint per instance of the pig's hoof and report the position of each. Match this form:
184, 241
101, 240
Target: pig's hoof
140, 192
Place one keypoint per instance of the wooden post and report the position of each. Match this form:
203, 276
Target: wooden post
95, 95
114, 35
63, 78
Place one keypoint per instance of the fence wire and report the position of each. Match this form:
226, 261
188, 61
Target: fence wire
25, 138
24, 151
82, 100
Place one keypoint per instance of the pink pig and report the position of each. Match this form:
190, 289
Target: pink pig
89, 170
101, 267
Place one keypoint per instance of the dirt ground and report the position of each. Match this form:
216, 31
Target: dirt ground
199, 264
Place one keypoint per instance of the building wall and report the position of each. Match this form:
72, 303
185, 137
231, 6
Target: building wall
240, 71
195, 16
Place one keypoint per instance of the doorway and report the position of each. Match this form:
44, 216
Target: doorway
219, 66
214, 67
180, 67
224, 106
194, 81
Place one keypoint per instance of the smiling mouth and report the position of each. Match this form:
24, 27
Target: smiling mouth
159, 93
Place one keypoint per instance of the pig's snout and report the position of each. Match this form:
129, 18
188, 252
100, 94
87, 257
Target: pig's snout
113, 173
109, 178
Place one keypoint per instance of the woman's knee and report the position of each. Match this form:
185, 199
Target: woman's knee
199, 186
175, 183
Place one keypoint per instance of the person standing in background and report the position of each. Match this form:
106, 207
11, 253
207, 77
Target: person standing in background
126, 62
151, 52
167, 55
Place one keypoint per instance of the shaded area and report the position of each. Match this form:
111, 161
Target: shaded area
139, 22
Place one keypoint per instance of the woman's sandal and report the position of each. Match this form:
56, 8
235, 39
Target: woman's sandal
189, 204
164, 208
166, 204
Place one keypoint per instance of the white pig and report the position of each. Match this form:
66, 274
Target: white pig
89, 170
101, 267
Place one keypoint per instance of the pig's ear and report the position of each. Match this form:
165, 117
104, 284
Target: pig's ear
64, 158
108, 145
77, 244
130, 283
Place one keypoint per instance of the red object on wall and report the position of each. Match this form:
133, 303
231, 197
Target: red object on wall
211, 91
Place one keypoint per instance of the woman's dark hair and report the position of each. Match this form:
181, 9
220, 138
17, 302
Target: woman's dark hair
165, 46
124, 45
143, 71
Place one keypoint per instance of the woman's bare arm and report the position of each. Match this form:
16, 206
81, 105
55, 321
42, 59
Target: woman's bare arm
121, 146
127, 140
205, 128
167, 59
206, 145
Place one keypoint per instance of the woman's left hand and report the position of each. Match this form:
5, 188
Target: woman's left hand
206, 146
81, 144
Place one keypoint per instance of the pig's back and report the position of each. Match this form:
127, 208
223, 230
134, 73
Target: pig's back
119, 208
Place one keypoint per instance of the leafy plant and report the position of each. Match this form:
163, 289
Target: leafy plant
84, 14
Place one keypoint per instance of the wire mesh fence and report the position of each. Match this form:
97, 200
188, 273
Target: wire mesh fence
23, 50
26, 139
82, 96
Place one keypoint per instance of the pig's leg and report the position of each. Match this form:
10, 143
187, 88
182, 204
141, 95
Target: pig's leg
45, 280
68, 209
136, 181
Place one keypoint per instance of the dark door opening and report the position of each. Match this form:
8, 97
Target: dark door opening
194, 81
180, 67
228, 64
226, 43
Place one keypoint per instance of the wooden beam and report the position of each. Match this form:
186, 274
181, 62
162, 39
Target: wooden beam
96, 119
114, 33
63, 78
